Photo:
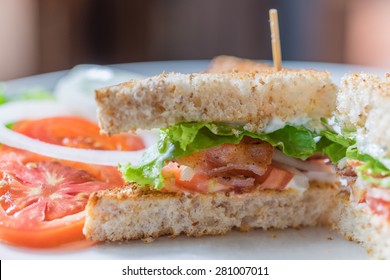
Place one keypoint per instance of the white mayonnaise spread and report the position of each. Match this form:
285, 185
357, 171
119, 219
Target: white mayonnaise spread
365, 146
276, 123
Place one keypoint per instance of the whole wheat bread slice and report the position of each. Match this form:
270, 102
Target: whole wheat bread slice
126, 213
251, 99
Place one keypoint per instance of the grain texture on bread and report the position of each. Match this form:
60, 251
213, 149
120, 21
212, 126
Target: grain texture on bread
125, 214
363, 104
251, 99
358, 223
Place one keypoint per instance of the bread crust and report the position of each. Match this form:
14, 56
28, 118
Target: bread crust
251, 99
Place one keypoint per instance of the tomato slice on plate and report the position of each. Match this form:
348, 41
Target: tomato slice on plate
42, 200
76, 132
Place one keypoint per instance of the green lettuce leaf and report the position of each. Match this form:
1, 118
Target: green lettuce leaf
372, 170
31, 94
334, 145
184, 139
3, 98
34, 94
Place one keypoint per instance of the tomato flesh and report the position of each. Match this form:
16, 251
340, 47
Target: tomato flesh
378, 199
198, 183
42, 237
275, 178
47, 186
78, 133
42, 200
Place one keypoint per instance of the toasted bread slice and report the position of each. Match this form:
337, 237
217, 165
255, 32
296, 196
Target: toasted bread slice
251, 99
127, 213
227, 64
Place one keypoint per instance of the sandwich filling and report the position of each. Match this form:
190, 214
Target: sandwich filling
368, 180
362, 113
212, 157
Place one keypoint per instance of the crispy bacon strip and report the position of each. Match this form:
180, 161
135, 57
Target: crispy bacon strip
240, 167
249, 157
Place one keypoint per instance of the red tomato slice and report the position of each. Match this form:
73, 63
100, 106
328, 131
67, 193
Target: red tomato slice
378, 199
76, 132
173, 182
275, 178
52, 234
42, 200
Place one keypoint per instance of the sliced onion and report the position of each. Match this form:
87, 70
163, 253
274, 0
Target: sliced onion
77, 88
16, 111
300, 181
302, 178
257, 169
278, 156
187, 174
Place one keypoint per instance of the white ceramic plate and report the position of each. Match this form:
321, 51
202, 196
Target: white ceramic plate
306, 243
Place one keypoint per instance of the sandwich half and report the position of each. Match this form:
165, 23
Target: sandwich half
362, 113
237, 150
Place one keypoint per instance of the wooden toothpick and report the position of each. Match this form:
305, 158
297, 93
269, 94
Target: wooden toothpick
275, 39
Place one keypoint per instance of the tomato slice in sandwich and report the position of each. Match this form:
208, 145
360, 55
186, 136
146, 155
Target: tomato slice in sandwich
378, 199
42, 200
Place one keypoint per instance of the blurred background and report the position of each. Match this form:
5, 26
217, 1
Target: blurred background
38, 36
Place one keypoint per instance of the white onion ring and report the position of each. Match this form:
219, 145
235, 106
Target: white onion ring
15, 111
300, 181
